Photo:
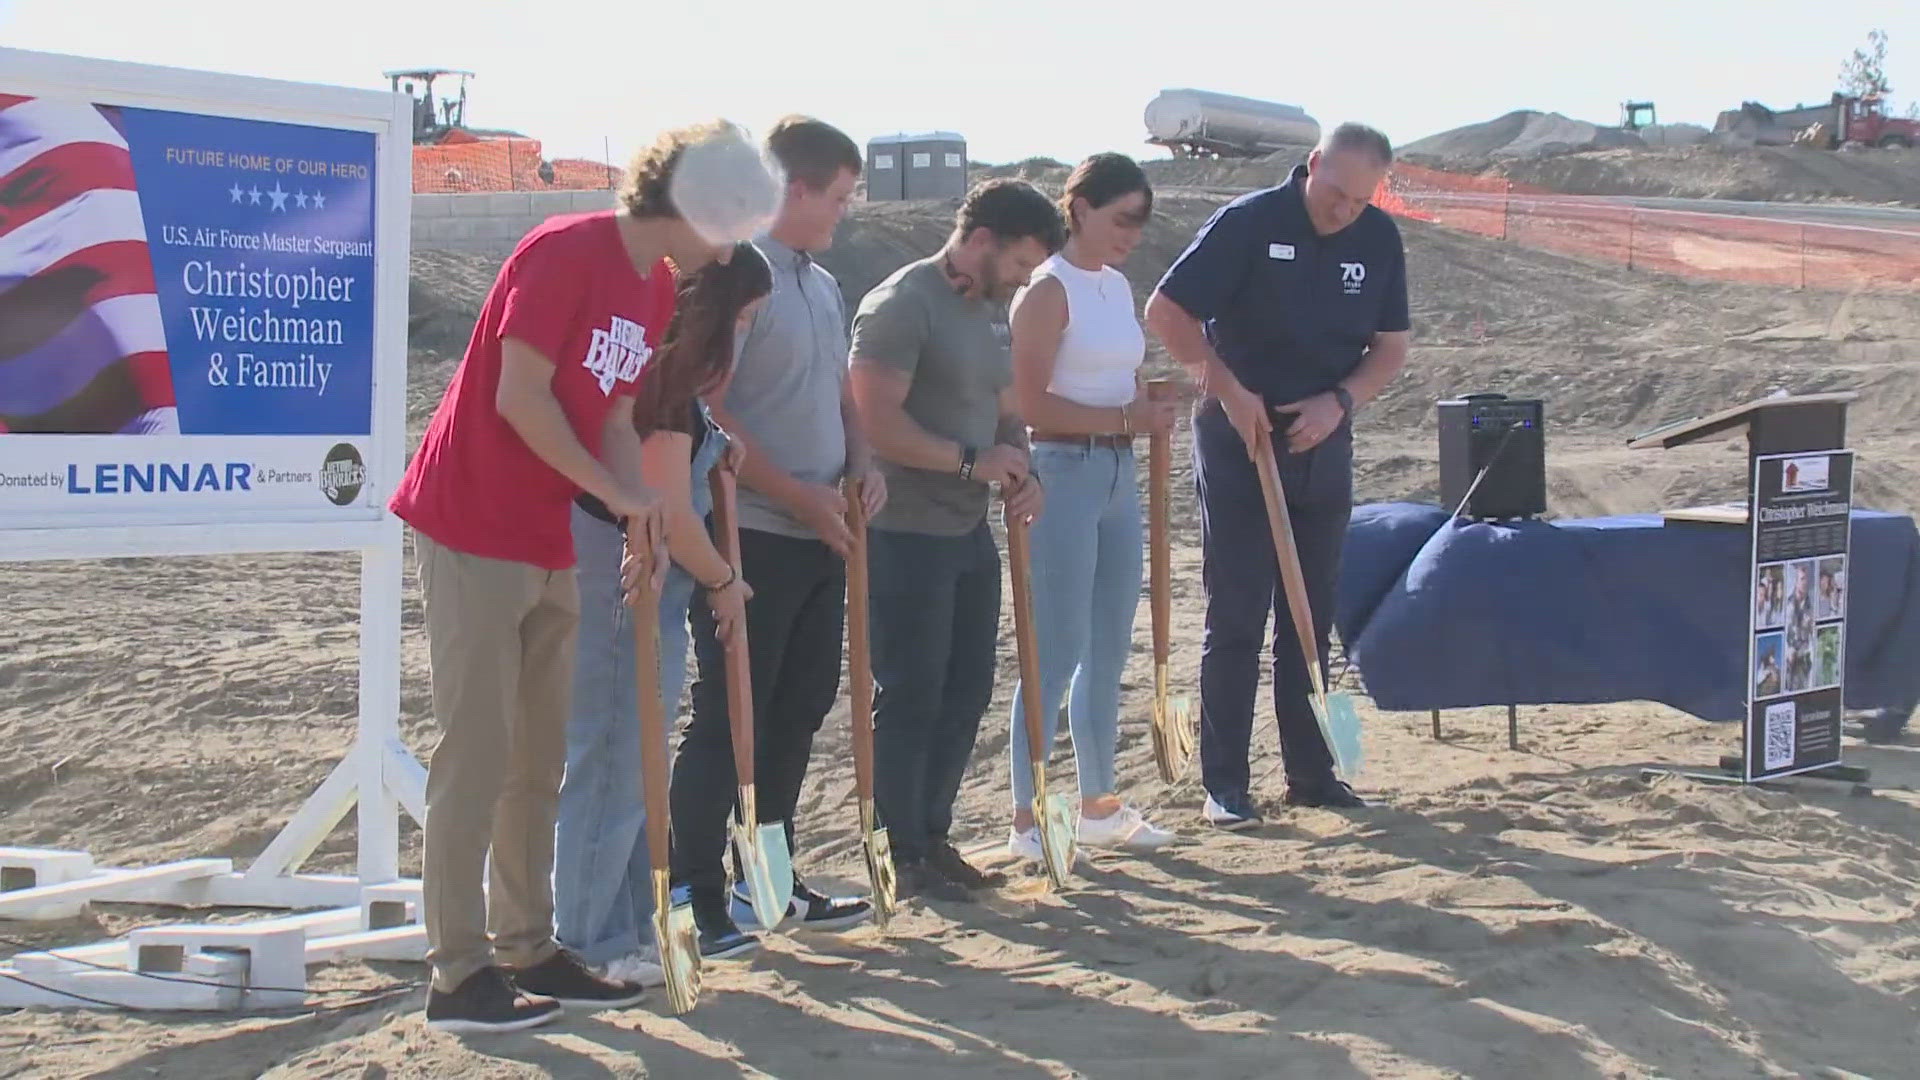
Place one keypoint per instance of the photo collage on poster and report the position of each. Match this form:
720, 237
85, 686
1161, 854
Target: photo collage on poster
1798, 609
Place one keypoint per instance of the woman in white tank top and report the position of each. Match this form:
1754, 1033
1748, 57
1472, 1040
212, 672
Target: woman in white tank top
1077, 349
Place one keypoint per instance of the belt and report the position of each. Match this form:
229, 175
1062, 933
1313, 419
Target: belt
1088, 441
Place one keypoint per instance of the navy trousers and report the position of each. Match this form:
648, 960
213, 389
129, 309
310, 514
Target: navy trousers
1242, 582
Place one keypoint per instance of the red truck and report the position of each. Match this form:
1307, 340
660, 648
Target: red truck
1843, 119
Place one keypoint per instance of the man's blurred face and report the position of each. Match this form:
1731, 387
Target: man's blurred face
1340, 184
1010, 266
810, 216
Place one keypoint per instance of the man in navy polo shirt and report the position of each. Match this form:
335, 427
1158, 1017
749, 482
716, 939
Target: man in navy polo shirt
1290, 310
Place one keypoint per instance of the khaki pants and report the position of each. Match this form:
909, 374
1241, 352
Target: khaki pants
500, 640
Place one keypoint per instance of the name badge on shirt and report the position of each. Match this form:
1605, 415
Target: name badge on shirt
1280, 251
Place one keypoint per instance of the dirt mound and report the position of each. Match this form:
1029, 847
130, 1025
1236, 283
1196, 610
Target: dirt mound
1519, 134
1766, 173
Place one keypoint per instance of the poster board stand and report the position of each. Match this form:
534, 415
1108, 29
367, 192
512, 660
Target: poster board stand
1797, 517
261, 432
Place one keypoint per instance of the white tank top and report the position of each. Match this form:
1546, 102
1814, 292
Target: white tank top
1103, 344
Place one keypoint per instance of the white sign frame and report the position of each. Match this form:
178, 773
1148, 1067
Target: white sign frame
379, 773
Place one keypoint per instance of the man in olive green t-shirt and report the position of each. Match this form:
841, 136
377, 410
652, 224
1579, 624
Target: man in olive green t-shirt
933, 378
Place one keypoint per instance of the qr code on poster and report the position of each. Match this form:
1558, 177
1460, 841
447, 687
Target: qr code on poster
1779, 747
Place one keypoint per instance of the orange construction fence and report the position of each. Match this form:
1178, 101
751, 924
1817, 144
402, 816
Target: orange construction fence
1725, 247
504, 164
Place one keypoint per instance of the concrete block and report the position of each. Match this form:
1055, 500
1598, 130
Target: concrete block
516, 204
507, 229
276, 958
586, 201
433, 204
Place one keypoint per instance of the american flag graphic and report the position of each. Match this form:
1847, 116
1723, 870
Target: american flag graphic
83, 348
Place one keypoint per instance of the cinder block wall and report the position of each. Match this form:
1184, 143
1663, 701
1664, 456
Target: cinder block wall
492, 222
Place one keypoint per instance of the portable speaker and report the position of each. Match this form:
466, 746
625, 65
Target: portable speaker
1506, 437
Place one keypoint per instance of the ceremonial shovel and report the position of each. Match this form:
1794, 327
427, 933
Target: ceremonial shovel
1339, 723
1054, 816
879, 848
673, 929
765, 863
1173, 719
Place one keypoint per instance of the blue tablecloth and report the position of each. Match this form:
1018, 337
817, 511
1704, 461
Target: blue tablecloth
1441, 614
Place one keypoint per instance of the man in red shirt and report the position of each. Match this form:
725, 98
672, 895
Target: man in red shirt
540, 410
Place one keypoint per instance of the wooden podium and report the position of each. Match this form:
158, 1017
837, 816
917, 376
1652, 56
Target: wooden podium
1797, 516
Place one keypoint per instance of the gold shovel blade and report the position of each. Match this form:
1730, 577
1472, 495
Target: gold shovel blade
1173, 728
879, 851
1185, 726
1340, 726
679, 946
1057, 828
765, 864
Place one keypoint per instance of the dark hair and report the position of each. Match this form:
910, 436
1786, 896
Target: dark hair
812, 151
697, 350
1011, 210
646, 189
1101, 179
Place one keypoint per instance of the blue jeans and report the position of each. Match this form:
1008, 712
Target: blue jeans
602, 872
1087, 561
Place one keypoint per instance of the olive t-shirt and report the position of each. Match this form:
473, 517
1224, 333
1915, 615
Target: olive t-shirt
955, 350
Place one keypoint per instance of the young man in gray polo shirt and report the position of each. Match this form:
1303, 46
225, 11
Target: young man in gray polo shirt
788, 402
934, 380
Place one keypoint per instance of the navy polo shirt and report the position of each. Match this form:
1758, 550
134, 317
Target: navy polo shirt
1291, 312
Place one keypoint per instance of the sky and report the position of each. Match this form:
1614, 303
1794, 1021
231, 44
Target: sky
1017, 78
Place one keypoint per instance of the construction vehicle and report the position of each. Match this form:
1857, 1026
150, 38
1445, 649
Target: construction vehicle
1199, 123
1845, 119
1635, 115
445, 120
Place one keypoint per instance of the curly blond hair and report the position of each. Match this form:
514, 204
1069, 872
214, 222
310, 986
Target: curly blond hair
645, 190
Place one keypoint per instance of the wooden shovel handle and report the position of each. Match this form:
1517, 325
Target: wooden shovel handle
1021, 570
859, 656
653, 714
1159, 485
726, 536
1292, 579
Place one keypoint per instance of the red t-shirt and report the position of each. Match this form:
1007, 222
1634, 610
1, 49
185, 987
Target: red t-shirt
570, 291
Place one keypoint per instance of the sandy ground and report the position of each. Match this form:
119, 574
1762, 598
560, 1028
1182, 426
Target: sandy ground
1532, 913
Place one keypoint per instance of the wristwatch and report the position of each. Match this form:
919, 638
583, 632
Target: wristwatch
1345, 399
967, 456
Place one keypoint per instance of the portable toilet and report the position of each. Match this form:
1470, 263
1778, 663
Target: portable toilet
886, 171
936, 165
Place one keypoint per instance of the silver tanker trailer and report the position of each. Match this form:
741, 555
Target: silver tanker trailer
1200, 123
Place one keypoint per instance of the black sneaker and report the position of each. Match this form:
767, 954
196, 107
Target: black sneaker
821, 912
1329, 794
1233, 812
720, 937
566, 980
488, 1001
918, 879
946, 860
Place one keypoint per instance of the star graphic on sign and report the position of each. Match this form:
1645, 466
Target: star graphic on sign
235, 192
255, 195
279, 197
300, 199
319, 201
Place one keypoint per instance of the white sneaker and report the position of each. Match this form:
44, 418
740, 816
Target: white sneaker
642, 967
1125, 829
1025, 845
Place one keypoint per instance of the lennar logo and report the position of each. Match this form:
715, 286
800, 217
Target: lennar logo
342, 474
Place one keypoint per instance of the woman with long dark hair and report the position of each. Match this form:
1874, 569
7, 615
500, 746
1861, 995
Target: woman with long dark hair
603, 898
1077, 350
